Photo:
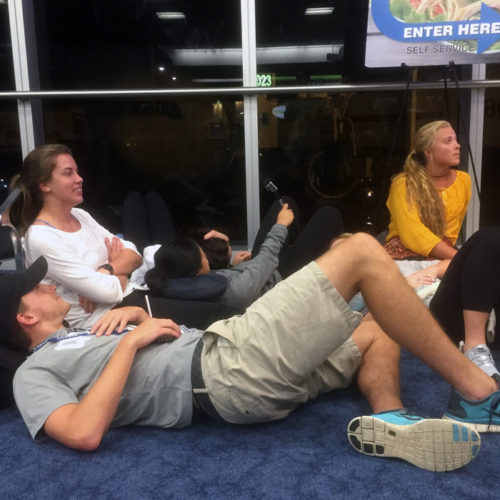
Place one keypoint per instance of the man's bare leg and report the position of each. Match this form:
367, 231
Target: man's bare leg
392, 431
359, 263
378, 377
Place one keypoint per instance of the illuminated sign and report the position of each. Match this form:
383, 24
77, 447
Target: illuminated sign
265, 79
423, 33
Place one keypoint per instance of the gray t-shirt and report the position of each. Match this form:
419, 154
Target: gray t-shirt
158, 391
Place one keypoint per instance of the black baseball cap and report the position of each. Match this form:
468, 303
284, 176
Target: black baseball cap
13, 285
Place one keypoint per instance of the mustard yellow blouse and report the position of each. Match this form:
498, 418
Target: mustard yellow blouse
406, 223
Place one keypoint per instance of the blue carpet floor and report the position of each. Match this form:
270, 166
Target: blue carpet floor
305, 456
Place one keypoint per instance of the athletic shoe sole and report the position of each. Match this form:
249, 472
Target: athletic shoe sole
478, 427
432, 444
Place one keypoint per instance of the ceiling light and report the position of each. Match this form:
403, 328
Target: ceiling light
169, 16
318, 11
265, 55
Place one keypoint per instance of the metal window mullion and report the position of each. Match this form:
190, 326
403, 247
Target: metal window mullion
250, 116
21, 74
476, 143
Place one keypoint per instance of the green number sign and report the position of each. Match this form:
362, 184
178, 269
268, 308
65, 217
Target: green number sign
265, 80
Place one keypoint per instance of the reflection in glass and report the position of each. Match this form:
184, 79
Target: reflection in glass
299, 43
336, 148
93, 44
10, 145
189, 150
490, 175
7, 69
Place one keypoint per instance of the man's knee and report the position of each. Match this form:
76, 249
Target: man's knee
361, 246
370, 334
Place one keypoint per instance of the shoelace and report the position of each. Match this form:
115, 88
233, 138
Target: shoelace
493, 410
482, 356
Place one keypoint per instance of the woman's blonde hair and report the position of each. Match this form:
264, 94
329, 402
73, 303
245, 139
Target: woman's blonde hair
37, 168
420, 189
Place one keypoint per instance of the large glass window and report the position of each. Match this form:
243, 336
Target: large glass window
190, 150
490, 174
96, 44
7, 69
10, 145
339, 149
299, 43
319, 147
342, 149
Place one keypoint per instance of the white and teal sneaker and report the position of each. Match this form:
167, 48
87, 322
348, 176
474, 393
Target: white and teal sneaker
432, 444
482, 415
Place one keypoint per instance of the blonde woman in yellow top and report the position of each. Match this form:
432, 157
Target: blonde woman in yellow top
428, 201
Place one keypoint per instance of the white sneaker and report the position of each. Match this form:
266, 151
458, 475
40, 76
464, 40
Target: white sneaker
481, 356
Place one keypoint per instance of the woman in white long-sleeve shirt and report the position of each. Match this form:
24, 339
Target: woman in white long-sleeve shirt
87, 263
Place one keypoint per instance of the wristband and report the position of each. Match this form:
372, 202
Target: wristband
108, 267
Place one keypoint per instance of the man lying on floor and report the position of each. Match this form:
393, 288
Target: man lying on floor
297, 341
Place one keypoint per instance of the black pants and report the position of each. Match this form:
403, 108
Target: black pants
303, 244
471, 282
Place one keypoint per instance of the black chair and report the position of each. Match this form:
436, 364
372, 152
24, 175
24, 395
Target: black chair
11, 250
161, 225
11, 259
146, 219
11, 247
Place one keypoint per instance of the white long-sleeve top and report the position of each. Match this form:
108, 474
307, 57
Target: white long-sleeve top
73, 260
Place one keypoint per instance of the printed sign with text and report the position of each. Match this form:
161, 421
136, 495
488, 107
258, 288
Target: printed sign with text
432, 32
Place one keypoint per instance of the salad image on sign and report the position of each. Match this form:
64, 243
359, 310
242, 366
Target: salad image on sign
463, 29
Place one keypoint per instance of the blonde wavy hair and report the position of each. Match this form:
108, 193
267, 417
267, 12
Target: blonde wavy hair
420, 190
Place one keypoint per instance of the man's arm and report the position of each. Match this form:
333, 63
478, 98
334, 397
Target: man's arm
83, 425
118, 319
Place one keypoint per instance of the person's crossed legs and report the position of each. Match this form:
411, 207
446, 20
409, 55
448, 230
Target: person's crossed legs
359, 263
282, 352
